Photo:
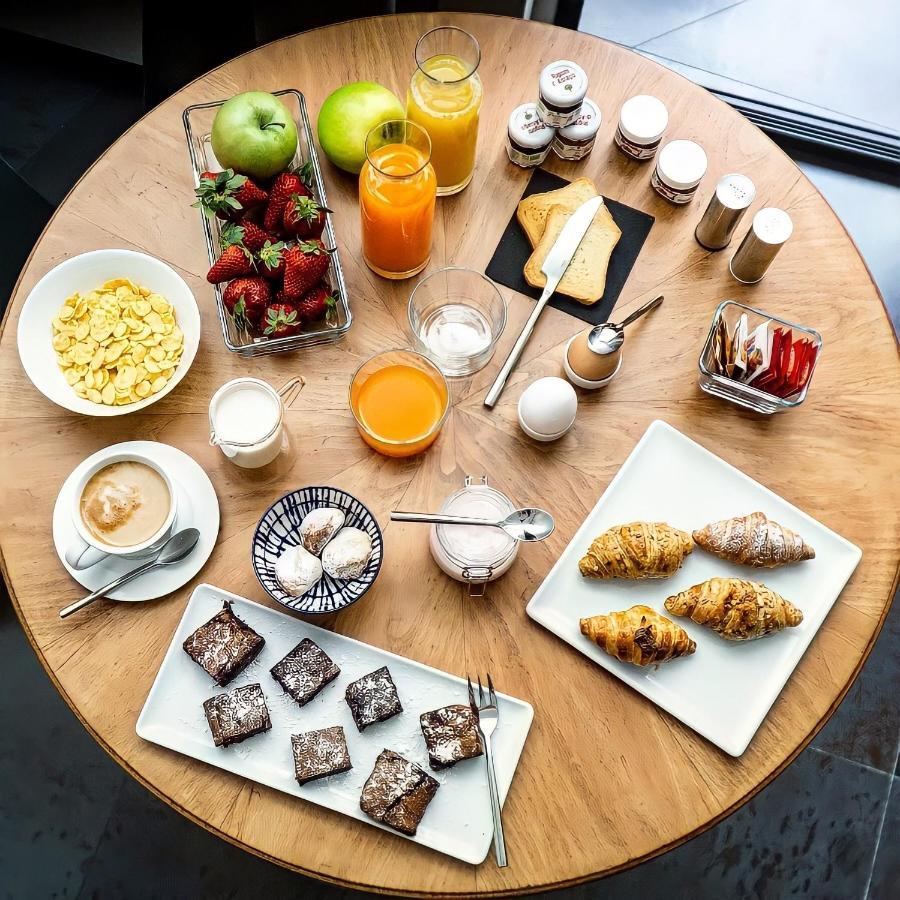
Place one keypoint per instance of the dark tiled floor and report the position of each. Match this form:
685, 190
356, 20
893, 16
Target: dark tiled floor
72, 824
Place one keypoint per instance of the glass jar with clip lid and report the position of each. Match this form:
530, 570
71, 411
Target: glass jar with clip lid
471, 554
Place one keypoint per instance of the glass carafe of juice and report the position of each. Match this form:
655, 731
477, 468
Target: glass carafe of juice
445, 98
397, 188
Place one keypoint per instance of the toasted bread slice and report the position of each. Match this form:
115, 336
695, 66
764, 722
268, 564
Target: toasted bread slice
585, 279
532, 211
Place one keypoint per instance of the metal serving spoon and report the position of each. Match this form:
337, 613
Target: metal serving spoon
608, 337
175, 549
527, 524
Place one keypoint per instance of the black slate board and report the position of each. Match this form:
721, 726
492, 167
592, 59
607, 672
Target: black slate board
513, 251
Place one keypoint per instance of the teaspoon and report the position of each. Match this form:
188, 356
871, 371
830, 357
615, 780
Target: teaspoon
175, 549
528, 524
608, 337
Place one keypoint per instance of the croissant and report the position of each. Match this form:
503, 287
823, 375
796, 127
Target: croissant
639, 635
754, 540
638, 550
735, 609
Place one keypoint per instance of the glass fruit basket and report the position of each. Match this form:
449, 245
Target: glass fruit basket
198, 121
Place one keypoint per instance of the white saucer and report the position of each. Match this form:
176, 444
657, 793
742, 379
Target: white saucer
198, 507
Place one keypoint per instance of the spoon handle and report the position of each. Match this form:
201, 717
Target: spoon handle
650, 304
122, 579
438, 519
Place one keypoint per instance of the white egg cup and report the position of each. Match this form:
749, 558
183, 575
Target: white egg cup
540, 435
578, 381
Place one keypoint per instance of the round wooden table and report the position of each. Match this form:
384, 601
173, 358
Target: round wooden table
606, 779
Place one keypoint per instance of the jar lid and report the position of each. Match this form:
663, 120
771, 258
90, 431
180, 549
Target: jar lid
772, 225
563, 83
528, 129
681, 164
586, 125
735, 191
476, 546
643, 119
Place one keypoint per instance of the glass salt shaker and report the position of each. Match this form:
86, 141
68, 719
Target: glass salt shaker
474, 554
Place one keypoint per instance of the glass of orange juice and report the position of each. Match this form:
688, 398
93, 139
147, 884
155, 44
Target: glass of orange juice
445, 99
397, 188
400, 400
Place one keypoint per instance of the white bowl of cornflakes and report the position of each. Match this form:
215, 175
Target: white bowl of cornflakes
108, 332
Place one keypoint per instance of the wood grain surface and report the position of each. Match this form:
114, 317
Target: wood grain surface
606, 778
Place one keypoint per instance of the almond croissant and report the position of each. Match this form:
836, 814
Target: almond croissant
639, 635
735, 609
638, 550
754, 540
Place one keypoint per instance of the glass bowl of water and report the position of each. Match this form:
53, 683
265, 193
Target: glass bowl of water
457, 316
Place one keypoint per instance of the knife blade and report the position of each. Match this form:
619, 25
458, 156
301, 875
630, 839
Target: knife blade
554, 267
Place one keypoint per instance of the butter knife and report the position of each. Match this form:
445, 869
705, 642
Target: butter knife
554, 267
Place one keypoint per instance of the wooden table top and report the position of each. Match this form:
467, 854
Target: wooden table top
606, 778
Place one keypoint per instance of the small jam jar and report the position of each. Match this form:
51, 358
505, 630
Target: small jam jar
528, 136
576, 140
642, 123
679, 170
563, 85
474, 554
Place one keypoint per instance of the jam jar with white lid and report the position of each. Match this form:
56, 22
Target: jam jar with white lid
680, 168
474, 554
642, 124
576, 140
528, 136
562, 89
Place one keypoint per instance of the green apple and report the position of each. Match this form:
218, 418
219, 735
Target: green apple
254, 134
348, 115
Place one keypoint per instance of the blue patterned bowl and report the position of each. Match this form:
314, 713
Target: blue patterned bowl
278, 529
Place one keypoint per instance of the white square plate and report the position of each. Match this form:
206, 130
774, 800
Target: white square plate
458, 819
725, 689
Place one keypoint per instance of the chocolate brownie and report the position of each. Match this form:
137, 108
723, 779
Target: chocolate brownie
373, 698
318, 754
397, 792
451, 735
305, 671
237, 715
224, 646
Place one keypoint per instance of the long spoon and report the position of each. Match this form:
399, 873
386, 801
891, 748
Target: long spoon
175, 549
528, 524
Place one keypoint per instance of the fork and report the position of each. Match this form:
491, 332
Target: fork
488, 717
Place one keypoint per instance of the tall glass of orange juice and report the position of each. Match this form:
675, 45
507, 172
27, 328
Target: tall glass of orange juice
445, 99
397, 188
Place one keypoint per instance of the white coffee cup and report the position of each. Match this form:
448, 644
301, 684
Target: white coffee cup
87, 550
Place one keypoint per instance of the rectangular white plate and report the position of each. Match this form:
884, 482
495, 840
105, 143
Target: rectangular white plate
458, 820
725, 689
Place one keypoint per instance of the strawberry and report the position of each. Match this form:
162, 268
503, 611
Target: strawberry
246, 299
283, 188
234, 261
227, 195
304, 265
270, 259
247, 234
281, 320
316, 303
303, 217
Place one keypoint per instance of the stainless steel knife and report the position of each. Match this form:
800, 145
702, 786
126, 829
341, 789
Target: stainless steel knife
554, 267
